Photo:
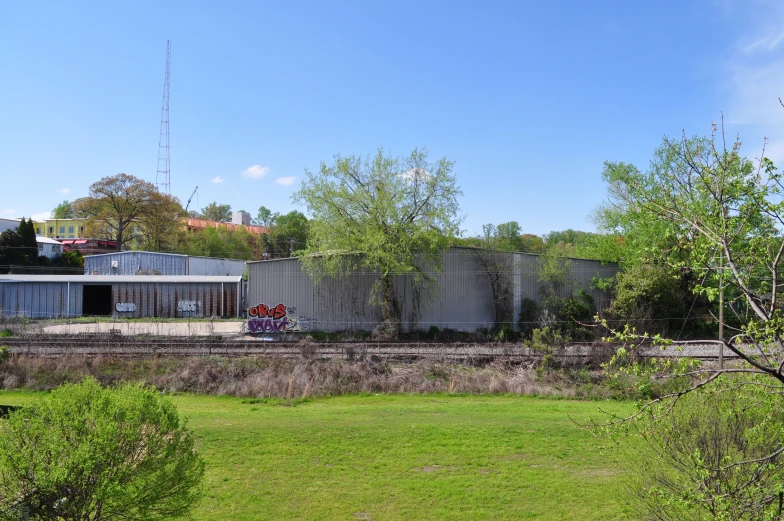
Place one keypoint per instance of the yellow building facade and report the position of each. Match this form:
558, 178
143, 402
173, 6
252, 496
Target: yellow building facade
61, 228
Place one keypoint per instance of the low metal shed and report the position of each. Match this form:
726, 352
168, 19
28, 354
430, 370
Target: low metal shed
49, 296
157, 263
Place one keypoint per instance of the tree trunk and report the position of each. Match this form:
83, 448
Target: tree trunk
388, 304
389, 328
120, 230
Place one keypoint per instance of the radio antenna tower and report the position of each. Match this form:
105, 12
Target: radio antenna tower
163, 177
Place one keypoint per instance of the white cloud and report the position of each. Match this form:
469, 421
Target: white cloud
767, 43
41, 216
217, 180
755, 80
286, 181
256, 171
755, 92
64, 190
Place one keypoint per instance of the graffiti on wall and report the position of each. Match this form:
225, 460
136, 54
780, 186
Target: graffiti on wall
275, 319
125, 307
187, 306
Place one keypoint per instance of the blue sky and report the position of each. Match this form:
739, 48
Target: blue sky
529, 99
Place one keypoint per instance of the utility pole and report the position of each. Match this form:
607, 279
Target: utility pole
721, 313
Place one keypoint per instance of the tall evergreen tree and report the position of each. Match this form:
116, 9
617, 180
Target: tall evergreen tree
30, 234
26, 231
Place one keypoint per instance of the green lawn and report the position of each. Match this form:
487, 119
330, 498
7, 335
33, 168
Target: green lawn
401, 457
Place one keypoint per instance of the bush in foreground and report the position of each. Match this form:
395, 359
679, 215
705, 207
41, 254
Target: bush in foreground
715, 455
87, 452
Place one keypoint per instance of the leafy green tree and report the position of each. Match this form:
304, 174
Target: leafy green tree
161, 224
575, 243
530, 243
287, 234
265, 217
85, 452
63, 210
397, 213
705, 208
508, 235
219, 242
217, 212
115, 206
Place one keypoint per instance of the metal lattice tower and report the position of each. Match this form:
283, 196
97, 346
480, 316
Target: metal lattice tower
163, 177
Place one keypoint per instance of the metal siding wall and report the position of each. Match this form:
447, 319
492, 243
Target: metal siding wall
77, 298
46, 300
212, 266
129, 263
528, 277
284, 282
333, 304
343, 303
33, 300
462, 299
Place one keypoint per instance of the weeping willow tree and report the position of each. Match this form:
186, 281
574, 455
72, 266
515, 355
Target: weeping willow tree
387, 215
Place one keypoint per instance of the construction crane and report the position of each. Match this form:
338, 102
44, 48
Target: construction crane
190, 198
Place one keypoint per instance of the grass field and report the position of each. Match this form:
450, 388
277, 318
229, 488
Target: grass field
400, 457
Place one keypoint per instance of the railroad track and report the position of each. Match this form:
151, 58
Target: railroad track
119, 346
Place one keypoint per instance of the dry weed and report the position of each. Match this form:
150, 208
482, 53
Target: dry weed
277, 377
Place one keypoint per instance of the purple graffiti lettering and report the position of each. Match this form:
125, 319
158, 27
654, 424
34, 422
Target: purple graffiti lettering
267, 325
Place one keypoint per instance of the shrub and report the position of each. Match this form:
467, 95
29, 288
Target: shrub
572, 311
87, 452
529, 315
713, 456
648, 298
547, 341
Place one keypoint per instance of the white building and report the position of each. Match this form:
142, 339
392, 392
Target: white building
9, 224
48, 247
240, 217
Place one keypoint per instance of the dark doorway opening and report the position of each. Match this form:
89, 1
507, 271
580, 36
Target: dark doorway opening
97, 301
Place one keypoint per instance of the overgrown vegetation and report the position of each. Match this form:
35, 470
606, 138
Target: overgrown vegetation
709, 457
359, 373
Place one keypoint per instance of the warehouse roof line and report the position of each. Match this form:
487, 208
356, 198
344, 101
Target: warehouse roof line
165, 279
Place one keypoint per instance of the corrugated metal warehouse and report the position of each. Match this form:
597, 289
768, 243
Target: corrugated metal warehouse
463, 299
155, 263
49, 296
